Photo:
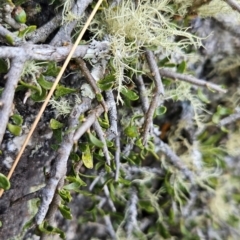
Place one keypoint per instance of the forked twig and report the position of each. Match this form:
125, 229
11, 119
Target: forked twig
51, 92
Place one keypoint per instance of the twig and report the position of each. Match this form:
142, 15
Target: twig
176, 161
7, 18
191, 79
64, 33
155, 100
109, 227
91, 118
41, 34
91, 81
6, 100
6, 34
233, 4
113, 130
131, 213
98, 129
142, 93
59, 168
117, 156
232, 118
27, 197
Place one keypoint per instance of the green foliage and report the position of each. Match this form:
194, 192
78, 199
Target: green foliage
4, 182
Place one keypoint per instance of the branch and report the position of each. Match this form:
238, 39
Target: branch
142, 93
117, 156
113, 130
91, 81
6, 100
176, 161
157, 91
233, 4
98, 129
5, 34
59, 168
232, 118
42, 33
191, 79
42, 52
64, 34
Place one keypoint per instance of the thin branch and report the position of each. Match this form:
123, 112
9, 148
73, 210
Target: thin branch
6, 100
233, 4
113, 130
7, 17
142, 93
91, 81
98, 129
176, 161
64, 33
59, 167
41, 34
6, 34
109, 227
230, 119
117, 156
27, 197
91, 118
187, 78
156, 99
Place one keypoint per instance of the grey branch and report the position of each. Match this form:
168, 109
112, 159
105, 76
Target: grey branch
113, 130
6, 100
41, 34
176, 161
142, 93
59, 168
91, 81
91, 118
156, 99
230, 119
64, 34
117, 156
4, 33
187, 78
98, 129
233, 4
42, 52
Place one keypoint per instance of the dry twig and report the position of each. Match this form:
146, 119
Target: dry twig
233, 4
155, 100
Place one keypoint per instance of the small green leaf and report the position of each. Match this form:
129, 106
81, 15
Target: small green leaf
45, 228
202, 96
1, 90
131, 95
52, 69
54, 124
37, 97
87, 158
4, 182
65, 195
72, 186
107, 168
131, 131
14, 129
20, 15
27, 30
107, 82
99, 97
76, 179
31, 86
181, 67
44, 83
62, 91
17, 119
160, 110
104, 122
0, 223
65, 211
95, 141
3, 66
10, 39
